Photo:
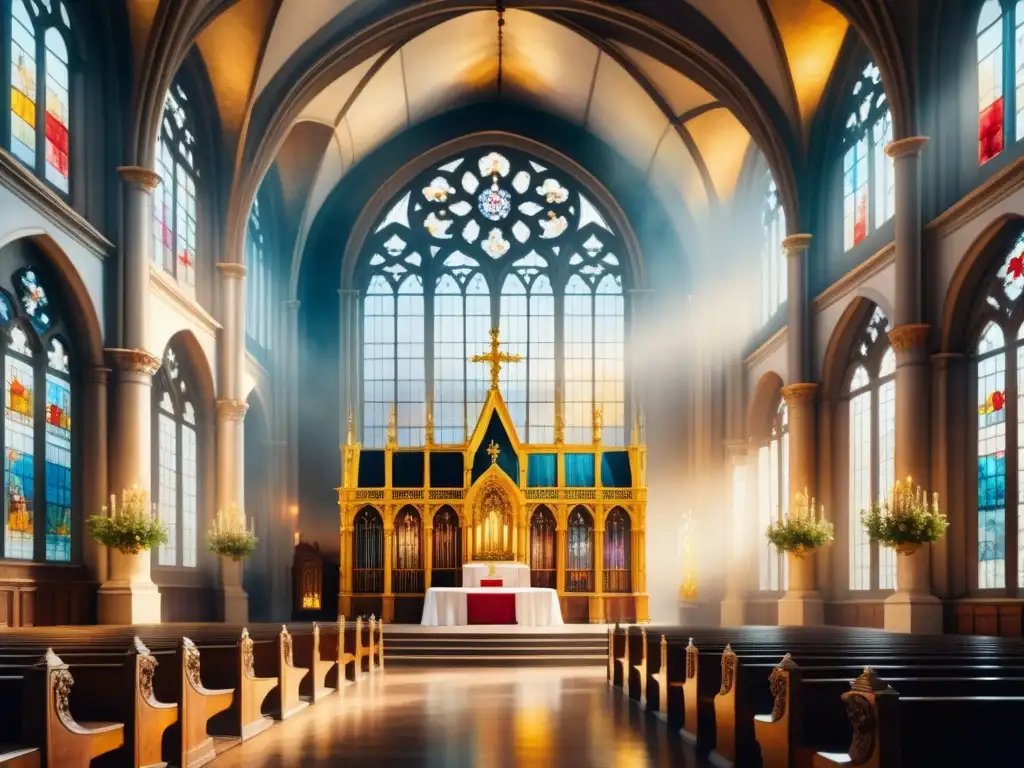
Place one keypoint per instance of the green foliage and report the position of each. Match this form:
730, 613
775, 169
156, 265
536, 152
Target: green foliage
129, 530
916, 525
799, 534
234, 544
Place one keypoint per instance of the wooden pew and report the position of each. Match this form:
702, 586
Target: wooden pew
252, 690
150, 717
380, 646
19, 757
308, 651
198, 705
348, 663
47, 720
780, 731
289, 676
360, 651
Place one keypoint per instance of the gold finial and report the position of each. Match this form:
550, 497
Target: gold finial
393, 427
351, 428
430, 423
495, 358
598, 425
493, 450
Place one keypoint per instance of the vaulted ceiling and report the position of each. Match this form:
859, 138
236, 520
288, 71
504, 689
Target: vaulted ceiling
680, 90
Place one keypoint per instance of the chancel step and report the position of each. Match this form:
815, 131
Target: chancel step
497, 650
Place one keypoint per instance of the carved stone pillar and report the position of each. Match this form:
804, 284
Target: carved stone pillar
129, 596
802, 604
741, 558
133, 328
95, 474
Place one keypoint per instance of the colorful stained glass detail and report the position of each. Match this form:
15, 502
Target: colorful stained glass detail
6, 310
174, 200
855, 194
495, 203
56, 129
34, 300
23, 84
58, 468
19, 463
990, 81
868, 131
991, 372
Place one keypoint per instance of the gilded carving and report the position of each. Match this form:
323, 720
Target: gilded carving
232, 269
248, 659
232, 409
861, 712
286, 646
794, 245
728, 670
143, 178
147, 668
191, 654
135, 361
911, 145
797, 395
909, 336
778, 685
493, 523
61, 680
691, 660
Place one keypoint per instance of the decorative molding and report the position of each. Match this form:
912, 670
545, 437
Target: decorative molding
908, 147
142, 178
24, 185
867, 269
909, 336
799, 394
767, 348
992, 191
794, 245
167, 286
134, 360
233, 410
232, 269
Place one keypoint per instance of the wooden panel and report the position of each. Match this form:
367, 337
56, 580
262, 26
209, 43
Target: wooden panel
620, 608
1009, 620
7, 617
186, 603
367, 605
868, 614
986, 620
576, 610
408, 610
1000, 618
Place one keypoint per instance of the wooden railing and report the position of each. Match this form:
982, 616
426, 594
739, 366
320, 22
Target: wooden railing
368, 580
579, 581
407, 581
544, 578
617, 580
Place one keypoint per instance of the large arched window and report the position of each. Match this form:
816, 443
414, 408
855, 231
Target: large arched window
176, 460
36, 430
999, 371
1000, 41
773, 260
868, 180
257, 284
40, 74
492, 238
579, 562
872, 436
174, 200
773, 497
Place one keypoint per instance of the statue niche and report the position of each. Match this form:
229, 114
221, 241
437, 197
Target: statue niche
494, 530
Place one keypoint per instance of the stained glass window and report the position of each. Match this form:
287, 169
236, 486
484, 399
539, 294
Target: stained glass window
872, 438
497, 238
257, 281
773, 260
58, 454
174, 200
40, 73
176, 461
773, 498
990, 81
19, 434
868, 180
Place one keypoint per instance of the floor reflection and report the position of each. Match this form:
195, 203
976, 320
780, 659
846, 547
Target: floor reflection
501, 718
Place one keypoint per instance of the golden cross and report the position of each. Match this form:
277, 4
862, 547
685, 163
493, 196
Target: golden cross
493, 450
495, 358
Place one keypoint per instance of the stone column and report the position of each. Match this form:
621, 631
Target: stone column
129, 596
739, 563
291, 385
802, 604
912, 608
94, 476
597, 601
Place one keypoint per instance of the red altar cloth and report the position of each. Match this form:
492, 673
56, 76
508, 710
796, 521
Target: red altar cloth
490, 608
491, 583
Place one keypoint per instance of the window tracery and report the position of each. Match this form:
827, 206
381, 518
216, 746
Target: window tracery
258, 298
868, 175
174, 199
773, 260
492, 238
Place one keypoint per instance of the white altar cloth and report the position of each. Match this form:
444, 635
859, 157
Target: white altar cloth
535, 607
511, 574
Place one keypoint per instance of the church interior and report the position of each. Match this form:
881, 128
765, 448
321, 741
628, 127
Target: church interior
344, 336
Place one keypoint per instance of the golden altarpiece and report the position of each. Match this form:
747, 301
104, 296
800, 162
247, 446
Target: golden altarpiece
574, 514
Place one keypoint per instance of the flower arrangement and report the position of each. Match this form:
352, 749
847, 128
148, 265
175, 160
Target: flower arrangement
905, 520
229, 536
803, 529
130, 529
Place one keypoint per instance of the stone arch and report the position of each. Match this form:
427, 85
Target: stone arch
967, 281
763, 405
199, 367
844, 335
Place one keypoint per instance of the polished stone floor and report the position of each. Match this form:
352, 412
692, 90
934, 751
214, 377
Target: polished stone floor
473, 718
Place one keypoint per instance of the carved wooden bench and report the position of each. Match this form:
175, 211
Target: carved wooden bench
310, 651
289, 677
199, 705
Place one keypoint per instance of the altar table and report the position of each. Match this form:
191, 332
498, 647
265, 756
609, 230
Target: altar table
511, 574
451, 606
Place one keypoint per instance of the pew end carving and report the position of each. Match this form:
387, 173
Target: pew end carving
724, 753
198, 705
151, 717
290, 677
778, 731
253, 691
873, 710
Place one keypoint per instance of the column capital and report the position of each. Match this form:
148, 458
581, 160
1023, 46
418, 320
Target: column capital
233, 410
908, 147
794, 245
909, 336
134, 360
232, 269
97, 374
799, 394
139, 177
